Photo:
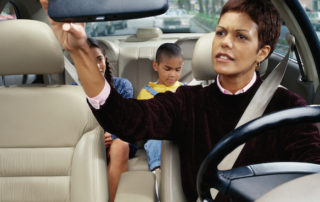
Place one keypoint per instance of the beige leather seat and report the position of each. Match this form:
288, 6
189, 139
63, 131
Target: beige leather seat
171, 187
187, 46
51, 147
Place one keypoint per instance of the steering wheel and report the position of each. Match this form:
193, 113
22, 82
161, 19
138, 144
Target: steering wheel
250, 182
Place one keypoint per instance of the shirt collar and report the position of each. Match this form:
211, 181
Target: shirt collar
243, 90
155, 84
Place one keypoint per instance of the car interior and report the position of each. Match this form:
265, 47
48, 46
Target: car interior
57, 152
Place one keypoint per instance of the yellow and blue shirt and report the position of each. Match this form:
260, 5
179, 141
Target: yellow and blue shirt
151, 89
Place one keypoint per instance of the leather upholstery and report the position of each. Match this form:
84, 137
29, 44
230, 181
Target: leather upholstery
51, 146
136, 186
25, 41
201, 60
187, 46
171, 186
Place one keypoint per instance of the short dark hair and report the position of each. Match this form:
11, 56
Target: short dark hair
98, 44
168, 50
264, 14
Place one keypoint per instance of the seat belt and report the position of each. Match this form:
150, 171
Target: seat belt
258, 104
153, 92
71, 75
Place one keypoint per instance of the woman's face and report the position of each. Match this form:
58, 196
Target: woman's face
235, 46
101, 60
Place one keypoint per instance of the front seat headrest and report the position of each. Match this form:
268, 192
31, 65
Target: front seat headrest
29, 47
202, 67
201, 59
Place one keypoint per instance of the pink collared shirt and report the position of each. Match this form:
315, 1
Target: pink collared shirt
101, 98
243, 90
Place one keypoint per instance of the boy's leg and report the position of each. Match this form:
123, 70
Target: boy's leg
119, 157
153, 150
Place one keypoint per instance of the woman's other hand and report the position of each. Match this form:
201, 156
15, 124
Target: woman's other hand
107, 139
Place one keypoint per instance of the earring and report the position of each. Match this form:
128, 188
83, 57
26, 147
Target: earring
258, 65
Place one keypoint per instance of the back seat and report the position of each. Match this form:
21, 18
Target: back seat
135, 64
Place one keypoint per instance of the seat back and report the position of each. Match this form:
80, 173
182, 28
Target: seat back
187, 46
51, 146
135, 64
170, 181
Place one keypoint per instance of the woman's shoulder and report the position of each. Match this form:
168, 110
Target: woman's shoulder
289, 97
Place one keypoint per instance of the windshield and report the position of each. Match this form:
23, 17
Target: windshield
188, 16
183, 16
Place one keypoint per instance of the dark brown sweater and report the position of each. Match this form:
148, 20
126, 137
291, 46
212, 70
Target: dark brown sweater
196, 118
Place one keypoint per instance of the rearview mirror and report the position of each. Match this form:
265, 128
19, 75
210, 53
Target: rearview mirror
104, 10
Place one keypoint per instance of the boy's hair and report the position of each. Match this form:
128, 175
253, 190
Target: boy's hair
263, 13
98, 44
168, 50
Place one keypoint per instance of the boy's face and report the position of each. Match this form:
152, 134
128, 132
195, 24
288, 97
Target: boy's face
169, 70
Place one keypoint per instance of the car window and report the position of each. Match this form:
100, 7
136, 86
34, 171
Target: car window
190, 16
9, 12
312, 9
282, 45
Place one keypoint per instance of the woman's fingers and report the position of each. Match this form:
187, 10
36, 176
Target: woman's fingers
74, 36
107, 139
70, 35
106, 134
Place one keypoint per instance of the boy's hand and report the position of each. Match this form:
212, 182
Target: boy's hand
71, 36
107, 139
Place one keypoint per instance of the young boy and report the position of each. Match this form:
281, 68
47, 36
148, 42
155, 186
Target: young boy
168, 64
